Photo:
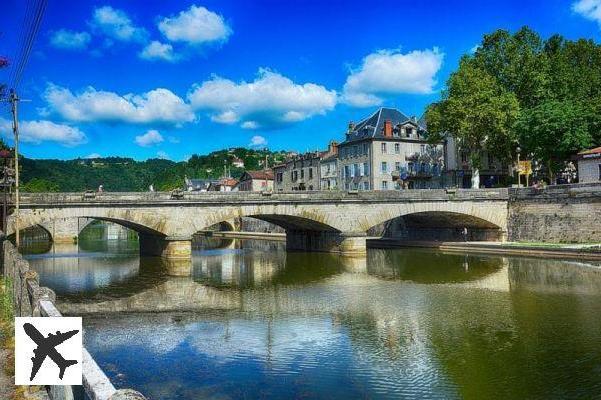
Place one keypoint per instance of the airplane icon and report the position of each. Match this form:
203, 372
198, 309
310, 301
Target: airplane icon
46, 348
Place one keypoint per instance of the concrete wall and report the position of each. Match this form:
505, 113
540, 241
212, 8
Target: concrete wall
557, 214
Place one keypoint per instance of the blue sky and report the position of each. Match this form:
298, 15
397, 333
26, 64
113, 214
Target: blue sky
148, 79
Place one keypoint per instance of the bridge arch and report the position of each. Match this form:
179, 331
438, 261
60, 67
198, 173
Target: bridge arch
443, 215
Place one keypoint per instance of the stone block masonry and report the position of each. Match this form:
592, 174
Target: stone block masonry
557, 214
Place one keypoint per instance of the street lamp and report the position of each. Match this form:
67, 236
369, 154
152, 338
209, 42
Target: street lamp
518, 150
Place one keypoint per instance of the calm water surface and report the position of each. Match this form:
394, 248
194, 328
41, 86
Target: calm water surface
256, 322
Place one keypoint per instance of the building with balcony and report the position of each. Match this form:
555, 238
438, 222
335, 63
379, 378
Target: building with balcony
459, 172
389, 150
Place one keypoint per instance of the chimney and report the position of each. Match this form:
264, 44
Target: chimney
351, 126
388, 128
333, 147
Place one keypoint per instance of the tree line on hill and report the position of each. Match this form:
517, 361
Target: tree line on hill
125, 174
521, 92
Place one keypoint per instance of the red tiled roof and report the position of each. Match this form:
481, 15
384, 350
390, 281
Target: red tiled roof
596, 150
261, 174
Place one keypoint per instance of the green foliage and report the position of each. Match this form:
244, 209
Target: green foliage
554, 130
125, 174
477, 110
556, 84
38, 185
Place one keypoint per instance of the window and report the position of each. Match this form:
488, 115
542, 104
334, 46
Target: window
280, 177
357, 170
384, 185
354, 150
302, 173
409, 131
599, 171
365, 169
384, 167
422, 148
383, 147
352, 169
365, 148
347, 171
310, 173
365, 185
397, 166
411, 167
295, 176
397, 148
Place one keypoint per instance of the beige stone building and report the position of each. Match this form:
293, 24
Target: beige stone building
389, 151
589, 165
255, 181
304, 171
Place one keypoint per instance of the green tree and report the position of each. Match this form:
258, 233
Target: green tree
554, 130
517, 62
38, 185
479, 113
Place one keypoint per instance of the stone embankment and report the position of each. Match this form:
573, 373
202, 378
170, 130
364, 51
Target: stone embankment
30, 299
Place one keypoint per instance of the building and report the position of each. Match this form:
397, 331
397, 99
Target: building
589, 165
298, 173
224, 185
255, 181
458, 171
198, 185
237, 162
328, 168
389, 150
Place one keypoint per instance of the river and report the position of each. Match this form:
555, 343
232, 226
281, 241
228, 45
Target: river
256, 322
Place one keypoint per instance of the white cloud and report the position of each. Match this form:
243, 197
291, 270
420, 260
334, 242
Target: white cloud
197, 25
117, 25
589, 9
250, 125
390, 72
474, 48
257, 141
150, 138
40, 131
156, 106
70, 40
269, 101
93, 155
162, 155
156, 50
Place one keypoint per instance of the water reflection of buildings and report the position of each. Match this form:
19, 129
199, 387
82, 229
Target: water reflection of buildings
67, 270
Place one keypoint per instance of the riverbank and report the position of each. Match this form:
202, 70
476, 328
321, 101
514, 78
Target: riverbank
6, 343
546, 250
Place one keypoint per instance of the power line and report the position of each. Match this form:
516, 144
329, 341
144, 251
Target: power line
30, 39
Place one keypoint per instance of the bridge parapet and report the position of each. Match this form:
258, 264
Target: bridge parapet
31, 199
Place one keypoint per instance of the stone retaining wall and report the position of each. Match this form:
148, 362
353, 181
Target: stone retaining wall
556, 214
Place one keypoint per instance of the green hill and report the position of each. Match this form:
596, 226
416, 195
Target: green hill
125, 174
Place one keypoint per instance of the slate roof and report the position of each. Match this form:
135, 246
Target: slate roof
373, 126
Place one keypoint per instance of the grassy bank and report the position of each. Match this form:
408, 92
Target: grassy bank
7, 340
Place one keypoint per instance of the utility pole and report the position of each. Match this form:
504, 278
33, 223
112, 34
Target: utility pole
266, 187
14, 99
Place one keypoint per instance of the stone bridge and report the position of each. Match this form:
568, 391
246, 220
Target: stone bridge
314, 221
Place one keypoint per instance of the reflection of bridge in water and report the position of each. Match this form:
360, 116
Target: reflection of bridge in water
239, 279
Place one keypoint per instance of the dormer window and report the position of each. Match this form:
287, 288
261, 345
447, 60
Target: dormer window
409, 131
